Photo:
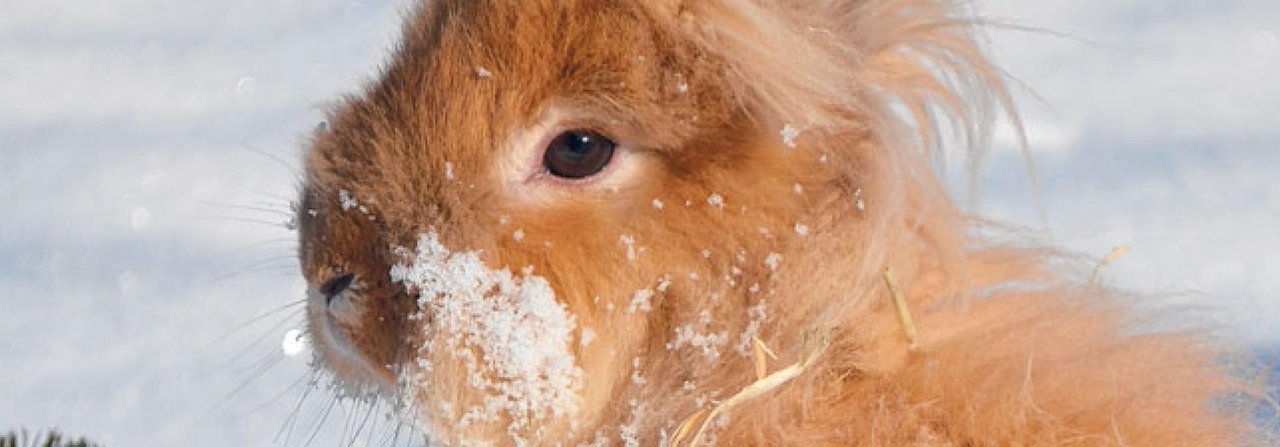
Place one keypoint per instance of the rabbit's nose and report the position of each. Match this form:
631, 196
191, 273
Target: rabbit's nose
336, 285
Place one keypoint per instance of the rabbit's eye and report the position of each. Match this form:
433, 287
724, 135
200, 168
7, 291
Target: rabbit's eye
578, 154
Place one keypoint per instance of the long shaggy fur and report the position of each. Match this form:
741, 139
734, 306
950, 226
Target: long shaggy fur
1015, 348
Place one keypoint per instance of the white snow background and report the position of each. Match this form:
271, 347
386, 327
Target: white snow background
139, 137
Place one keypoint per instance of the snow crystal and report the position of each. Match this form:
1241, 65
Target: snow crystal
345, 199
756, 315
689, 336
802, 229
716, 200
664, 283
630, 243
789, 134
682, 85
798, 188
246, 86
483, 73
641, 301
509, 331
629, 434
857, 195
772, 261
708, 343
658, 205
140, 218
636, 378
128, 283
518, 235
706, 253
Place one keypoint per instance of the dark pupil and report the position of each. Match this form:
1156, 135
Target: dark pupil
577, 154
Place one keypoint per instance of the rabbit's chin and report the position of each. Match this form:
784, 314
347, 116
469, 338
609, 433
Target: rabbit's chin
333, 323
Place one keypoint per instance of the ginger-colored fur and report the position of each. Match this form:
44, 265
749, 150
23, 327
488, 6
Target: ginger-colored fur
754, 237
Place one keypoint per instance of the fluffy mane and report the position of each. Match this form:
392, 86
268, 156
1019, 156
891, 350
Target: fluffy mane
1015, 347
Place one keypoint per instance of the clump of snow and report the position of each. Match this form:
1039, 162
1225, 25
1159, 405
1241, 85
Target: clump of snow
658, 205
294, 343
448, 170
802, 229
789, 134
518, 235
716, 200
857, 195
483, 73
509, 331
798, 188
346, 201
641, 301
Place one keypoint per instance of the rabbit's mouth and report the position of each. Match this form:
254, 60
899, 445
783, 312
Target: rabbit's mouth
334, 322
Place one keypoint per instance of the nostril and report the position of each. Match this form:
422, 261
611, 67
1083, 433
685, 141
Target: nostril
336, 285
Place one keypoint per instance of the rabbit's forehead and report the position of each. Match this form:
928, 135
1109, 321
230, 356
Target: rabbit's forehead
462, 88
474, 89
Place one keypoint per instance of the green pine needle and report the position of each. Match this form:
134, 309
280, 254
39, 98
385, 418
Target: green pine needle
49, 439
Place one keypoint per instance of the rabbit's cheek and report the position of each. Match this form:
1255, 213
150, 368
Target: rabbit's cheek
346, 311
335, 324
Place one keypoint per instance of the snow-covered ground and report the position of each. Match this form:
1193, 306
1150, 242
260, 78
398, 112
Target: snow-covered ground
148, 152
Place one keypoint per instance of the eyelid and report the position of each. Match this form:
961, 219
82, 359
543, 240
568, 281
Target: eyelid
524, 177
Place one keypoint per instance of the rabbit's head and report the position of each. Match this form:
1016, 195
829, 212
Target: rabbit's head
562, 219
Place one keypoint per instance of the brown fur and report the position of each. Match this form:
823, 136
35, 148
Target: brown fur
1016, 351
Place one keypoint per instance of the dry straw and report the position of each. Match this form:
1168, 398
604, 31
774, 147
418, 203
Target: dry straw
815, 342
1115, 254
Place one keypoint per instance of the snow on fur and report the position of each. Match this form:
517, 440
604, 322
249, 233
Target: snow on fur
510, 331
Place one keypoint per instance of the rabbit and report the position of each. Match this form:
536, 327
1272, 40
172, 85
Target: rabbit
698, 222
